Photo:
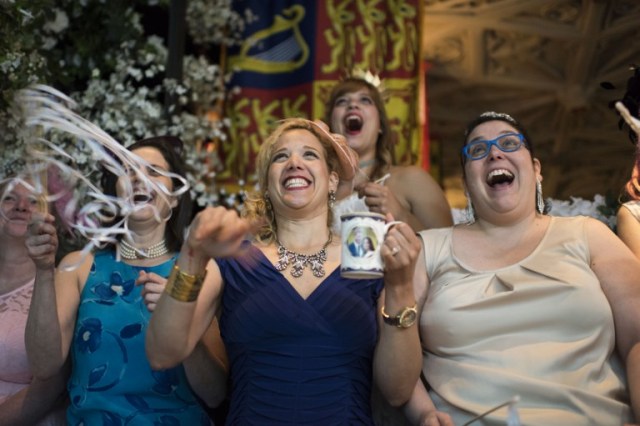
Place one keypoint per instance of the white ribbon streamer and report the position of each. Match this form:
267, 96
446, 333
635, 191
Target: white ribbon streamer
512, 414
49, 109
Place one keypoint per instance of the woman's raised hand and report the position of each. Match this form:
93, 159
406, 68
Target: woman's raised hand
217, 232
379, 198
42, 240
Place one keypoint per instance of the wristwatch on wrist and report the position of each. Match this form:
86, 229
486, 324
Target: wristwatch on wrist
404, 319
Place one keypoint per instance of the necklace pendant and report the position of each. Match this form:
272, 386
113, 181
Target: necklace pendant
298, 265
281, 265
318, 270
296, 271
300, 261
317, 262
283, 262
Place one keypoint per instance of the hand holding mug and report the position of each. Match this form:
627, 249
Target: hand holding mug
363, 244
400, 252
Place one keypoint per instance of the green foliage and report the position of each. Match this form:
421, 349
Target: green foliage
21, 62
98, 53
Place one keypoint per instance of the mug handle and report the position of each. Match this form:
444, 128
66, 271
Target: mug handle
388, 226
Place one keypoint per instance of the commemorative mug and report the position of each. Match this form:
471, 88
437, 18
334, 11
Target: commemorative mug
362, 237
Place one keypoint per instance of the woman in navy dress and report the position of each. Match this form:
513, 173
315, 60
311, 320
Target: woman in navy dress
304, 343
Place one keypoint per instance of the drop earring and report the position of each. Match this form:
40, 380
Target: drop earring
471, 214
332, 198
539, 198
267, 202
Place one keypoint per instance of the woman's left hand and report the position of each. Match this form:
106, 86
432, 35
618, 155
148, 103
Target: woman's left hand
400, 253
153, 286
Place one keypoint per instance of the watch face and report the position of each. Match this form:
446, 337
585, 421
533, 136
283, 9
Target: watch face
408, 317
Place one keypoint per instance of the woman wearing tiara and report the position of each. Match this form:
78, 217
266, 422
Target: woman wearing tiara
94, 309
535, 314
355, 109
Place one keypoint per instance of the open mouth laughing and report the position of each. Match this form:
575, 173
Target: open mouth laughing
142, 197
353, 123
499, 177
295, 182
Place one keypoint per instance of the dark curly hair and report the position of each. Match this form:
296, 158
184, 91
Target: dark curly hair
499, 116
171, 149
495, 116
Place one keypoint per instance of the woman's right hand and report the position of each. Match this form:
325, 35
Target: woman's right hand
217, 232
42, 240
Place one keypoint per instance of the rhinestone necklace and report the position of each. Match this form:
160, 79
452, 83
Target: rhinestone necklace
300, 261
129, 252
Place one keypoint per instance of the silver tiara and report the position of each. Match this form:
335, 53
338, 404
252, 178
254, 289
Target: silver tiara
499, 116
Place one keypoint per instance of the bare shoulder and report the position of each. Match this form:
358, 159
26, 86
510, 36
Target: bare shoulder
423, 196
76, 265
604, 245
410, 172
626, 218
598, 229
76, 258
407, 179
624, 212
628, 229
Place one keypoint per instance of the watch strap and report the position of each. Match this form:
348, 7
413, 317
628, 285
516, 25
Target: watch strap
397, 320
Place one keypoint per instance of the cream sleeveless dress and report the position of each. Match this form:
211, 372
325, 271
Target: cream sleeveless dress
541, 329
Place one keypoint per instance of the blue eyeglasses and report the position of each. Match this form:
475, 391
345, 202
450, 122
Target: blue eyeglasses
479, 149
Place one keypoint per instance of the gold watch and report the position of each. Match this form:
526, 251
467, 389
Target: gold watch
404, 319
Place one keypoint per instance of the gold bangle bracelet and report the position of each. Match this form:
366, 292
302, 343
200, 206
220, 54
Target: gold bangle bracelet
182, 286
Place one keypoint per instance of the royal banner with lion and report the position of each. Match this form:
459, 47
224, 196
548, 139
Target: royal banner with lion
293, 52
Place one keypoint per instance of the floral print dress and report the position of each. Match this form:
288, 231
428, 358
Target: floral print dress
112, 382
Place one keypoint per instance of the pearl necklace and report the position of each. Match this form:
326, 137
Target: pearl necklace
129, 252
300, 261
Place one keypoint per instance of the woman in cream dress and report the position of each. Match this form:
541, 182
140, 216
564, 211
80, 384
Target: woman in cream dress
518, 303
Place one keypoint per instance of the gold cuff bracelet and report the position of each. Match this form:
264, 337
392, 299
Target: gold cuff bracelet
182, 286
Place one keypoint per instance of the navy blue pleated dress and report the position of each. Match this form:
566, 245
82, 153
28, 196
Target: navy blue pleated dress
297, 361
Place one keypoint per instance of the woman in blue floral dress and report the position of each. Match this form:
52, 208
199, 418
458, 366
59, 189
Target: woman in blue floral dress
95, 308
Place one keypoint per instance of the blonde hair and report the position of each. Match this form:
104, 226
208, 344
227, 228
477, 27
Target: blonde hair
257, 206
